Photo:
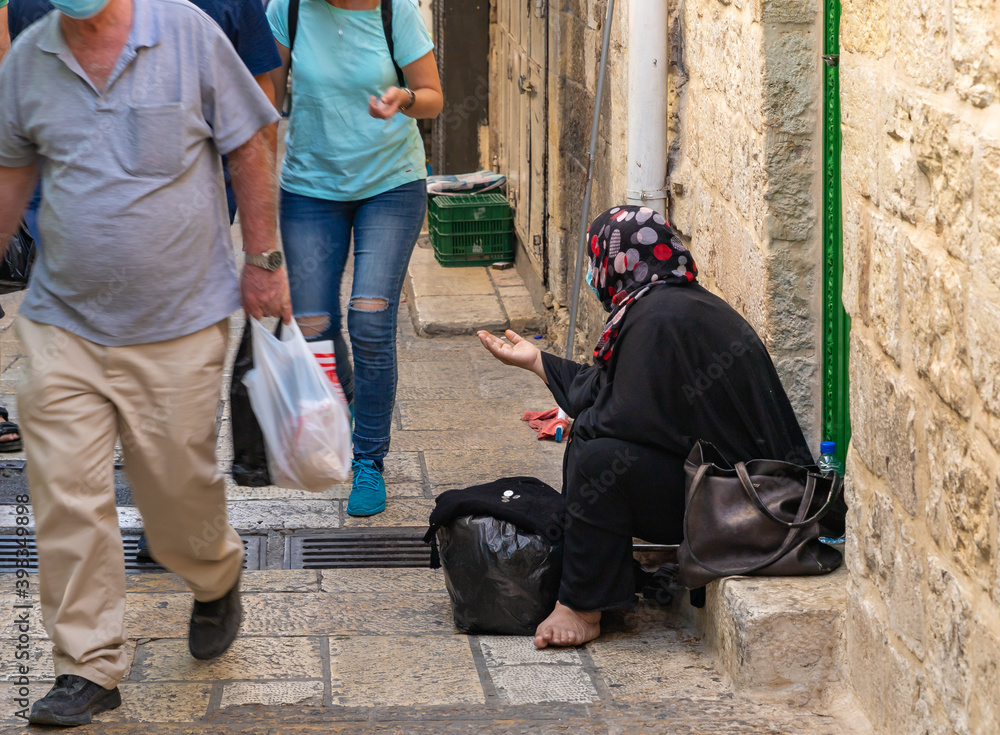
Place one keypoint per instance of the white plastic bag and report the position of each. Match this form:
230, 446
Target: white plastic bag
303, 416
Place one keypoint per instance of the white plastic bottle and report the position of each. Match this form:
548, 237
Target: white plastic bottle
828, 463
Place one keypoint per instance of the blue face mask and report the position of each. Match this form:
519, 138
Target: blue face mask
590, 282
80, 9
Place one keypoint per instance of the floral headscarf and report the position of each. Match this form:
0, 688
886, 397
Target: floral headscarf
632, 250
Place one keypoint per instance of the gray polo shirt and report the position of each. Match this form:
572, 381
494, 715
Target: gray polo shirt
134, 225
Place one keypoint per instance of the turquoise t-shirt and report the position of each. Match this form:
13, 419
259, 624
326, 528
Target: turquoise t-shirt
334, 149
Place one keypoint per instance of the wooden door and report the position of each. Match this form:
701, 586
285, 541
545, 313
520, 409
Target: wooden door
521, 59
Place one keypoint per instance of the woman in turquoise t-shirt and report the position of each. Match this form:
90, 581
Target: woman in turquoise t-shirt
355, 167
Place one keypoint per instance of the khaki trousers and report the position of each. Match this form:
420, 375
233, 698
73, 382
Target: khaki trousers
161, 399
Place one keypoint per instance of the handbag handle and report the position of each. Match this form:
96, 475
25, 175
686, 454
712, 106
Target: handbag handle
751, 491
807, 497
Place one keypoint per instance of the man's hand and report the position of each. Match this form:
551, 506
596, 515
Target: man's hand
265, 293
384, 107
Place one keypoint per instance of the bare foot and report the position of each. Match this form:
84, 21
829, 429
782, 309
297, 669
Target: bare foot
566, 627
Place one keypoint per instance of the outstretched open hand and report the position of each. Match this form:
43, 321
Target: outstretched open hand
518, 352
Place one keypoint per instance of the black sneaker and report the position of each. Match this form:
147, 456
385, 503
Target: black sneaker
214, 625
73, 701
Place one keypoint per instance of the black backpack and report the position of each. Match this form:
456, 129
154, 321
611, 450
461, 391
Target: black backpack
293, 26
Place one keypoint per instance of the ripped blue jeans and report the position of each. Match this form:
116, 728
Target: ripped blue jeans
317, 237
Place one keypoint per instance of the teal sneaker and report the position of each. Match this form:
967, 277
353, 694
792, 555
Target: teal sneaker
367, 490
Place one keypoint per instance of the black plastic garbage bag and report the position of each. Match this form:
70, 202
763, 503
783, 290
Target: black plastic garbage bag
18, 258
500, 545
249, 457
501, 581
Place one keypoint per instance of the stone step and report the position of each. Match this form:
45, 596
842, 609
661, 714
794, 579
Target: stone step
780, 638
453, 301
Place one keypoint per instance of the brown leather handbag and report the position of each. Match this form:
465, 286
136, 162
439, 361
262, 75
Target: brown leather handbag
756, 518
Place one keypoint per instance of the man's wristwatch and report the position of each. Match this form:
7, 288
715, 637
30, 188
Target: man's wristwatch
272, 260
410, 102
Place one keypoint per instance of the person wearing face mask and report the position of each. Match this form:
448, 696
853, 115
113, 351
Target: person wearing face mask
128, 105
674, 364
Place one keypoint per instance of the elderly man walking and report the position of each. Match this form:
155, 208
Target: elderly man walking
129, 103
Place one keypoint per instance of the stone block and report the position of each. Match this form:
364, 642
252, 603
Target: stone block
791, 77
984, 711
864, 27
789, 11
160, 702
400, 670
934, 301
401, 512
856, 243
894, 437
256, 659
899, 177
271, 693
860, 92
861, 366
413, 581
944, 145
535, 684
522, 316
959, 508
867, 657
974, 53
920, 42
949, 638
984, 349
438, 315
636, 669
883, 295
777, 636
988, 211
906, 593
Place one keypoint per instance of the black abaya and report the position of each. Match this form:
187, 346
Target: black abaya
686, 366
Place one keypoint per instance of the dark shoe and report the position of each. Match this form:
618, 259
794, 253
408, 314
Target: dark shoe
73, 701
214, 625
9, 429
142, 549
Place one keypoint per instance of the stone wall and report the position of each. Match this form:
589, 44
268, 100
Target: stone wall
576, 29
921, 125
745, 171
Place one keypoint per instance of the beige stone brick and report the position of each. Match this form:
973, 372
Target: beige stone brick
906, 712
789, 11
883, 294
898, 173
894, 437
855, 242
984, 712
920, 41
975, 51
864, 26
860, 92
866, 657
934, 300
944, 146
988, 211
984, 344
906, 593
949, 633
860, 397
959, 501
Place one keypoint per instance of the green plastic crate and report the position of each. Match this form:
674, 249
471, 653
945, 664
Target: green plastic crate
481, 248
469, 208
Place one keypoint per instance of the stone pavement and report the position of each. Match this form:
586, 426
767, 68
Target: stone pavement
375, 650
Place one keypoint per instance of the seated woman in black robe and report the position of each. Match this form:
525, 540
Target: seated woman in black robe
675, 364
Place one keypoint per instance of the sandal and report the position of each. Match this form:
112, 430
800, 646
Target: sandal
9, 427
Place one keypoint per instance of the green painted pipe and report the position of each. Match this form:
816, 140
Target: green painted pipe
836, 323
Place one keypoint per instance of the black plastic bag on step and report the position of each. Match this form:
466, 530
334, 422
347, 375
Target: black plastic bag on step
501, 548
249, 457
17, 261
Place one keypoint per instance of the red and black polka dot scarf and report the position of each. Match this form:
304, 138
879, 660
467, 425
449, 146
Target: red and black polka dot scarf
632, 250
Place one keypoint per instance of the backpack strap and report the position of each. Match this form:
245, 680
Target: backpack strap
293, 25
387, 29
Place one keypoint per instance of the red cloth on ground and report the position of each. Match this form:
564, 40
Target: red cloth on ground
546, 423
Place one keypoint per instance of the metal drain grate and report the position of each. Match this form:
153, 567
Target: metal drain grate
344, 549
9, 544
